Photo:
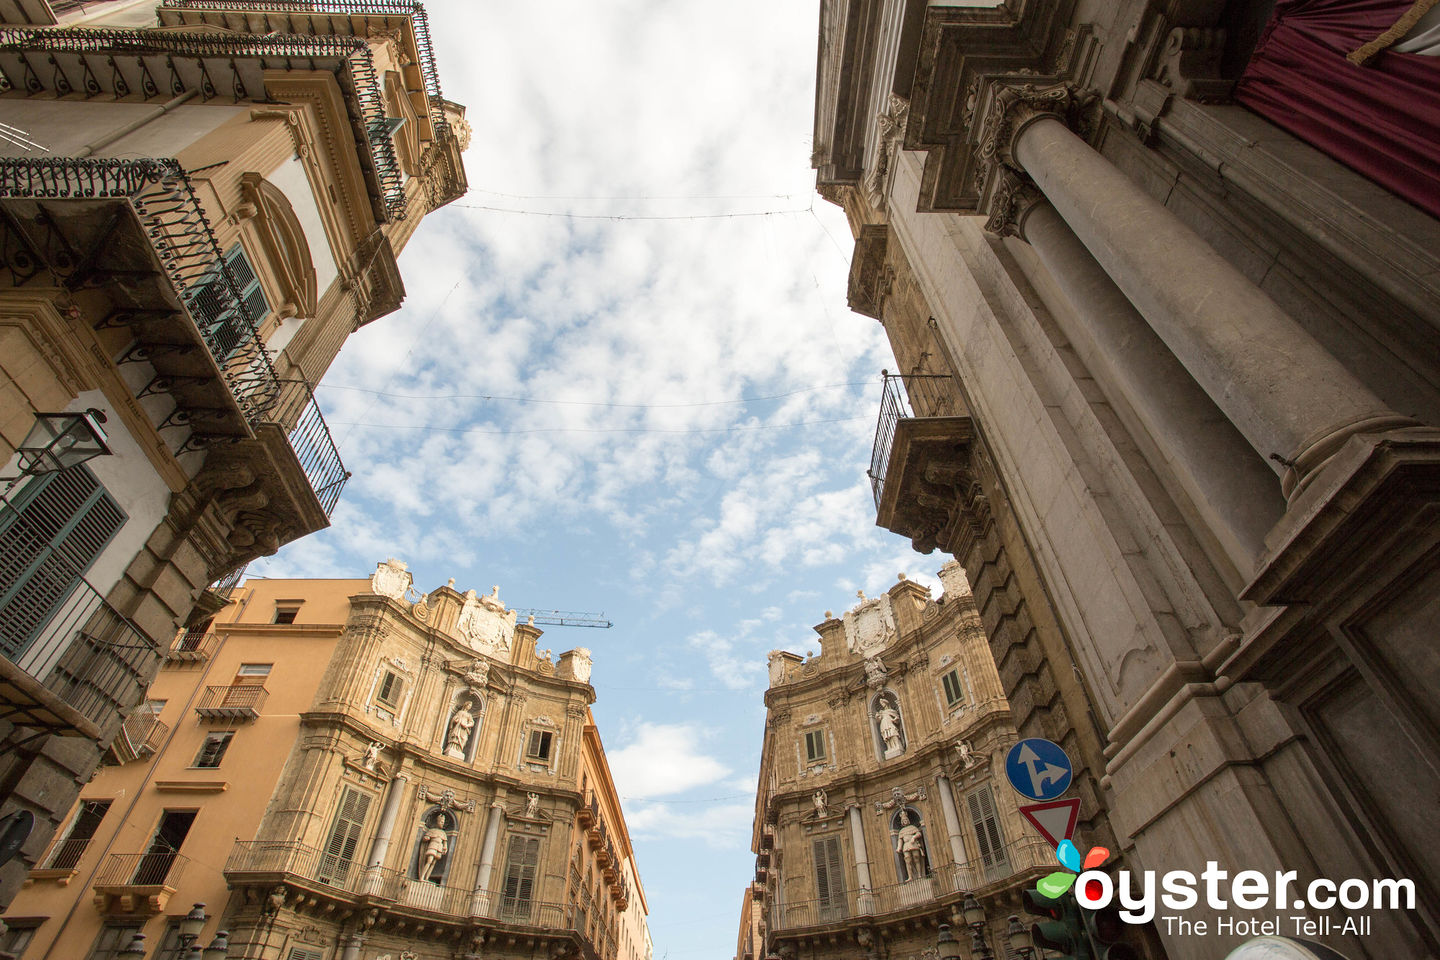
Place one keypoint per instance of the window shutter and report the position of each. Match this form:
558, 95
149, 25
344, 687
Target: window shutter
524, 855
46, 545
252, 297
987, 827
300, 953
344, 836
954, 692
829, 878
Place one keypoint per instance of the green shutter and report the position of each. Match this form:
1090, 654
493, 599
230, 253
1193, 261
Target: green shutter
54, 533
987, 827
829, 878
520, 865
344, 837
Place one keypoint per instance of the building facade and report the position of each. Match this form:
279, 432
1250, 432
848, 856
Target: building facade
1167, 352
346, 768
882, 799
199, 203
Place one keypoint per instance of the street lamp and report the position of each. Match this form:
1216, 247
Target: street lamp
219, 948
946, 943
190, 926
135, 949
61, 440
1019, 936
975, 920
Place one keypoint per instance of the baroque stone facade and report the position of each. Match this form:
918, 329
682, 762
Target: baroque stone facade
1165, 376
408, 774
187, 262
882, 799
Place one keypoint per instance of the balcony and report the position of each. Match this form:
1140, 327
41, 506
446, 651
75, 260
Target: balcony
140, 736
96, 663
919, 466
133, 235
193, 645
236, 702
1020, 862
138, 883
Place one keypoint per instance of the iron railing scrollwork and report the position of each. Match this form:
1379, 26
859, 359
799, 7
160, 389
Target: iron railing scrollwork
374, 8
895, 405
353, 52
313, 445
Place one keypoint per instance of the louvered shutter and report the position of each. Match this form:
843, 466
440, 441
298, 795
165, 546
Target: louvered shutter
524, 855
300, 953
54, 535
987, 827
344, 837
252, 297
829, 878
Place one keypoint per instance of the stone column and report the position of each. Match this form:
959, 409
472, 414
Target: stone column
1230, 485
480, 901
352, 947
380, 846
1294, 402
952, 821
866, 901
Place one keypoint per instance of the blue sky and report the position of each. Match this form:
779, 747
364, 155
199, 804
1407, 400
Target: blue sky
625, 380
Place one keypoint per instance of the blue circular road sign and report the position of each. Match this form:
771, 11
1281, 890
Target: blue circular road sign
1038, 769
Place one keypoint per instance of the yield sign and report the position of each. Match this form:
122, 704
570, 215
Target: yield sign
1055, 820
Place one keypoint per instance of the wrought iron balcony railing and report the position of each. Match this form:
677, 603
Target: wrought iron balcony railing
140, 736
154, 869
373, 8
349, 57
952, 880
240, 701
173, 220
899, 390
193, 645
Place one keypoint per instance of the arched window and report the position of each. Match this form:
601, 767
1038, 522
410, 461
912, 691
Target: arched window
280, 236
912, 854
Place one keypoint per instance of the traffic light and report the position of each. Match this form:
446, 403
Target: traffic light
1104, 928
1061, 930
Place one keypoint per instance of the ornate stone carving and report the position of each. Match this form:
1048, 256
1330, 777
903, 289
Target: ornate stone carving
457, 733
875, 673
898, 798
890, 131
391, 579
445, 799
532, 805
1011, 108
581, 664
1010, 203
485, 625
1190, 63
869, 626
969, 757
371, 755
477, 674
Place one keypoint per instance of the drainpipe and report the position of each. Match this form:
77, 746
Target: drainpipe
134, 125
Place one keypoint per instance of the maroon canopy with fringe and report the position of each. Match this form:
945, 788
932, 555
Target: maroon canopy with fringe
1382, 118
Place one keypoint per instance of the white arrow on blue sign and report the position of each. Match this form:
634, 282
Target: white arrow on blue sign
1038, 769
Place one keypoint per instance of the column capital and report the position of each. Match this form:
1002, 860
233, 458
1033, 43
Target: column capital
1011, 104
1010, 203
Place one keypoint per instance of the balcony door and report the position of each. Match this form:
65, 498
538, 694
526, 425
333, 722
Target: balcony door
164, 846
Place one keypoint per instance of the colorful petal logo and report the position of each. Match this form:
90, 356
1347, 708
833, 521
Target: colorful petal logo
1055, 885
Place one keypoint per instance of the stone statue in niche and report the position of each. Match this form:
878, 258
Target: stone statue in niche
372, 754
459, 733
910, 844
434, 843
822, 803
532, 805
887, 721
969, 757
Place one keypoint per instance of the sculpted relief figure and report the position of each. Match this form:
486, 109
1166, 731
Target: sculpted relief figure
434, 842
372, 754
460, 726
822, 803
532, 805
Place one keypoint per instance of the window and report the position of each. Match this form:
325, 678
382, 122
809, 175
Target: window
954, 690
815, 746
170, 834
155, 707
981, 804
213, 750
344, 836
82, 829
301, 953
539, 746
829, 878
286, 612
58, 526
520, 865
252, 674
389, 692
14, 940
229, 325
113, 938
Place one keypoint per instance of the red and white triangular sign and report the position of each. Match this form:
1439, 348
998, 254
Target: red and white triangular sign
1055, 819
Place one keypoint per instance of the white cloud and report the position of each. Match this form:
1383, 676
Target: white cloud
723, 825
663, 759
